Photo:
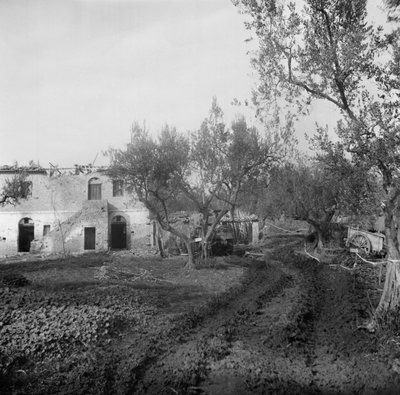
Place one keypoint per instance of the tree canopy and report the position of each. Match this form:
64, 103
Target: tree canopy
328, 51
207, 169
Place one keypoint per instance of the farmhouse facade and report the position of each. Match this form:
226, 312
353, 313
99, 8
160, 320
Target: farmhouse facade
72, 211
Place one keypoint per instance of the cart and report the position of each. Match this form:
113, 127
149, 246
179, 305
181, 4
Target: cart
365, 242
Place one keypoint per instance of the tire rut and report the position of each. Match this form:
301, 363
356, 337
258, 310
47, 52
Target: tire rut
274, 352
292, 331
185, 365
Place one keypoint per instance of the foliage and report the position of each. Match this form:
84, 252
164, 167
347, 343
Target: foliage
205, 172
50, 331
393, 9
153, 169
329, 51
250, 156
359, 189
321, 52
316, 190
15, 189
235, 156
313, 192
393, 3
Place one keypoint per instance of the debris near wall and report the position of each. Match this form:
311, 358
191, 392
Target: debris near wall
140, 247
112, 272
283, 226
52, 170
15, 168
77, 170
243, 228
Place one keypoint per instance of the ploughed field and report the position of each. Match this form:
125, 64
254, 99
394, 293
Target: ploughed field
275, 322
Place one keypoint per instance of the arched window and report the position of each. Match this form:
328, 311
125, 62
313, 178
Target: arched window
94, 189
118, 219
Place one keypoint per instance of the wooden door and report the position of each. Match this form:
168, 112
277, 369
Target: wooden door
90, 238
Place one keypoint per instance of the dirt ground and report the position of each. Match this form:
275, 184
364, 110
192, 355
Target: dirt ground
278, 323
67, 324
294, 331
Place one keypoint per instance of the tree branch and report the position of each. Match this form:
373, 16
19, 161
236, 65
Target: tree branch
313, 91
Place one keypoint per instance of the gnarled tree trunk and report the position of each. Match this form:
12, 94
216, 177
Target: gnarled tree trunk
390, 299
208, 232
319, 244
321, 226
185, 238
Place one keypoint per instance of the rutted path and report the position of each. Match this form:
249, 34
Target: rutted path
292, 331
186, 364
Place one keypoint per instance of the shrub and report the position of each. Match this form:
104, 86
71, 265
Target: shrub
50, 332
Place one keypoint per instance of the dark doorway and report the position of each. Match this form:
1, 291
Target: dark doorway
118, 232
90, 238
26, 233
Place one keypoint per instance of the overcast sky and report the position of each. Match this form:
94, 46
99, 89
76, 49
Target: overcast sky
75, 74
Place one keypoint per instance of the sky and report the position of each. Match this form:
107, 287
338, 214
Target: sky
75, 74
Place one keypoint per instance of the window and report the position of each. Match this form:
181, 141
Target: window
94, 189
118, 188
46, 230
26, 189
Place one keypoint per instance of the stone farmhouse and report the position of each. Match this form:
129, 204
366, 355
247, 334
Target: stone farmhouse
72, 211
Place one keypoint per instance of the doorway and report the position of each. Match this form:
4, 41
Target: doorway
26, 233
118, 233
90, 238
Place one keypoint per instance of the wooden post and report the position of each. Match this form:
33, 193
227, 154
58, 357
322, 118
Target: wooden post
255, 231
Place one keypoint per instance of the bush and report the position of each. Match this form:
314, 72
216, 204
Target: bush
52, 332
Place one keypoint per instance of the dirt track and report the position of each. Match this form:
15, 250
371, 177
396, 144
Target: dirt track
294, 330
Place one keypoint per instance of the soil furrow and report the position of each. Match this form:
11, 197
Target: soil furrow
292, 332
186, 365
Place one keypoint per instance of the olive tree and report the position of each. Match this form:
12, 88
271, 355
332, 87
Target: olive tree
206, 169
153, 169
222, 159
328, 51
243, 154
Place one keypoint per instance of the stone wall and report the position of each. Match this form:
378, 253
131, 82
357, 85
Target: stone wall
61, 202
66, 192
68, 236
